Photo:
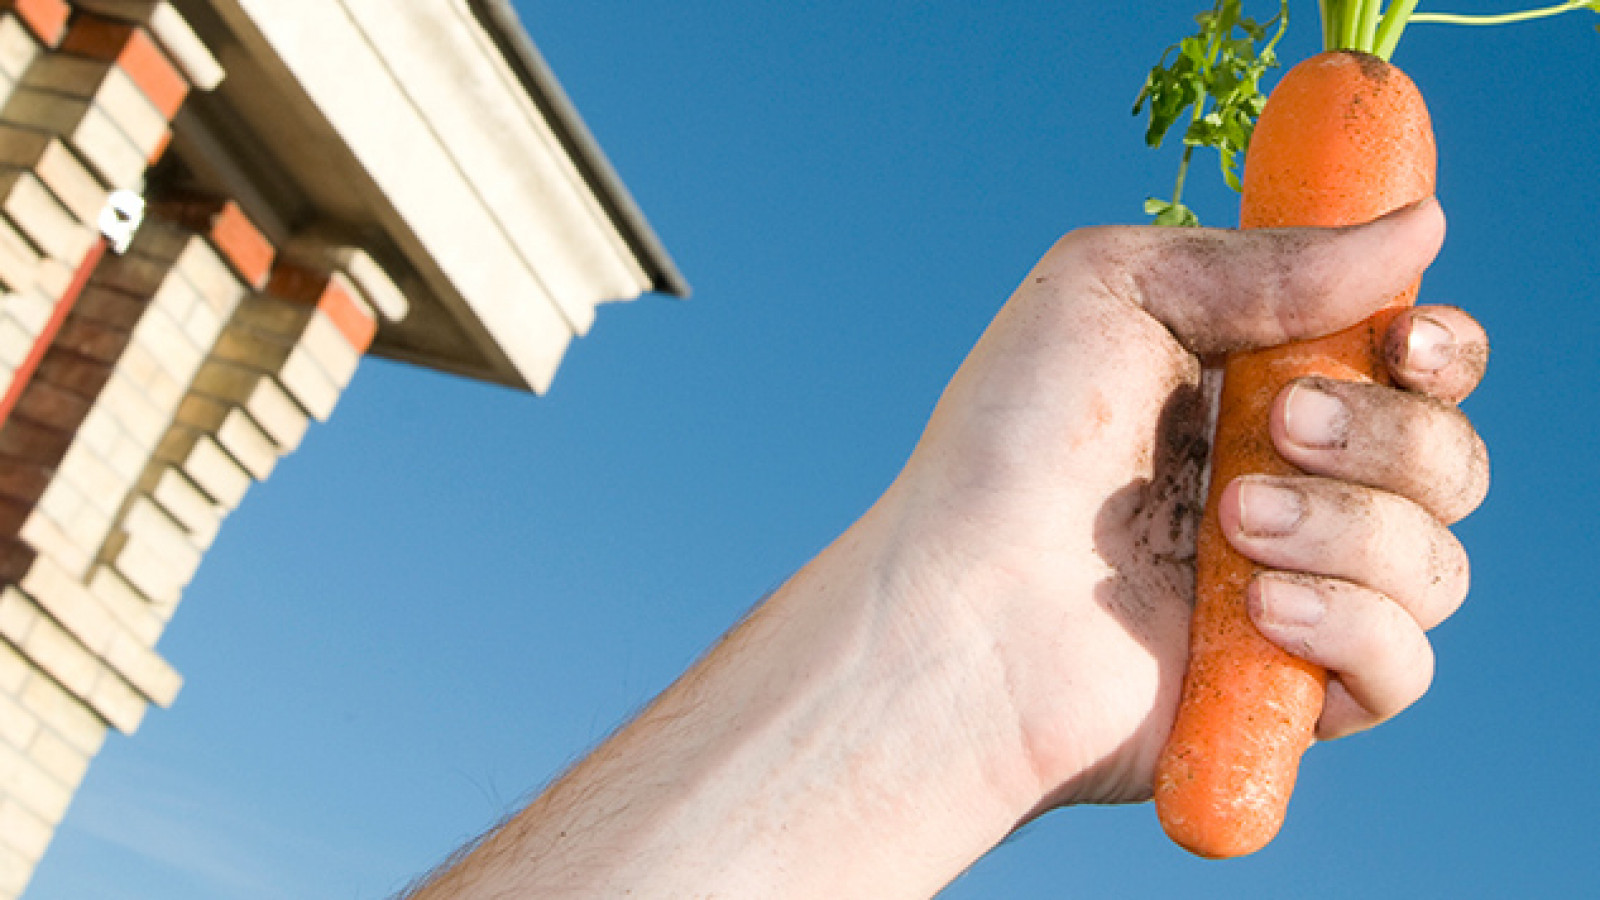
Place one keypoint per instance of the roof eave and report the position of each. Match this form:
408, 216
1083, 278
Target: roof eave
503, 25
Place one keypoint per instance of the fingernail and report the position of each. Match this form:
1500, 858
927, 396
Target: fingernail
1314, 418
1429, 346
1269, 510
1285, 603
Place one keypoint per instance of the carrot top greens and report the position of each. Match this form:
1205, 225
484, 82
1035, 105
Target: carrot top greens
1214, 76
1216, 73
1366, 25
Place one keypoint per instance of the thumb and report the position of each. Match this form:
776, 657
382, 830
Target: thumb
1228, 290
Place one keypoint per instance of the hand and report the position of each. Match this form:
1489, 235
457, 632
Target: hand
1006, 628
1058, 486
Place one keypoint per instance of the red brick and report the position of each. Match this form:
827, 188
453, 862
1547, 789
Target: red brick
47, 19
16, 558
78, 374
135, 52
31, 441
12, 514
237, 239
300, 284
95, 340
110, 306
54, 406
23, 480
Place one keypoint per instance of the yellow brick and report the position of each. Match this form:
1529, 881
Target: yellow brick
119, 162
65, 598
308, 384
18, 48
42, 219
226, 381
43, 534
22, 780
202, 411
211, 278
15, 872
15, 342
17, 726
22, 830
245, 442
74, 185
57, 167
216, 473
144, 670
113, 156
126, 606
127, 105
89, 474
128, 457
140, 418
158, 333
203, 325
63, 73
18, 616
150, 524
65, 763
119, 704
55, 651
30, 309
149, 573
54, 275
187, 51
64, 714
185, 503
331, 349
100, 430
19, 260
176, 296
280, 417
61, 501
14, 669
90, 525
272, 318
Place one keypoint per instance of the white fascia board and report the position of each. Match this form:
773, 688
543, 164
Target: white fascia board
501, 141
433, 116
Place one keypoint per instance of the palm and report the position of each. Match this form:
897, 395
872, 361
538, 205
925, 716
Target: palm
1123, 435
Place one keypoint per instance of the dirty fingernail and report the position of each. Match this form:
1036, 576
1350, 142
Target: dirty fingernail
1430, 346
1314, 418
1269, 510
1286, 603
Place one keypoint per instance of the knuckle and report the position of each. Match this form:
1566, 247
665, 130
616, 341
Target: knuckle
1424, 449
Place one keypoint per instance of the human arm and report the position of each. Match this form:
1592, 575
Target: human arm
1005, 629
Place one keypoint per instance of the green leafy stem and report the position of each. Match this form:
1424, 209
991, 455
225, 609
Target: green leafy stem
1368, 26
1214, 76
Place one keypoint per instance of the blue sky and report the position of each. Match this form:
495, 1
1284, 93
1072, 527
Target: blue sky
451, 590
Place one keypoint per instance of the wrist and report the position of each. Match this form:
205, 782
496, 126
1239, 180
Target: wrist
867, 710
934, 635
1032, 622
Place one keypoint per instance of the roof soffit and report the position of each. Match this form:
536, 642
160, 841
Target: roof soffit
408, 119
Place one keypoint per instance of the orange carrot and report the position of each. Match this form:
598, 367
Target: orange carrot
1344, 139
